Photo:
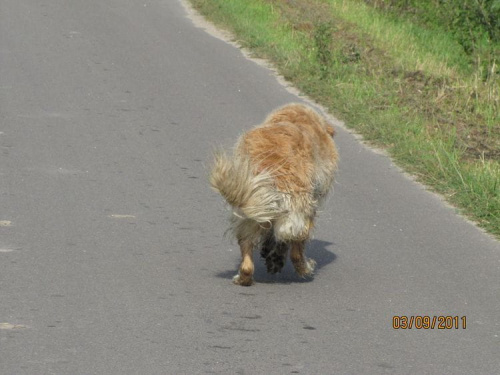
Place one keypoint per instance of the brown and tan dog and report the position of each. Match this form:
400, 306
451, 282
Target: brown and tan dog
278, 175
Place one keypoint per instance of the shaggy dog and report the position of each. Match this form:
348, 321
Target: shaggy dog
278, 175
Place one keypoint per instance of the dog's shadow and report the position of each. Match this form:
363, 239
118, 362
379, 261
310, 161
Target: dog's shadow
315, 249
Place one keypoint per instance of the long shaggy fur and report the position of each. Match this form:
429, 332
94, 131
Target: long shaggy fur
277, 177
252, 196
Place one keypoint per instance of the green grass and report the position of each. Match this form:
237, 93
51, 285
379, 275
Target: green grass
406, 86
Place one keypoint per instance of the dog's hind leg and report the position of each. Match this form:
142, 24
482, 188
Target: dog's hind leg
274, 252
303, 266
245, 274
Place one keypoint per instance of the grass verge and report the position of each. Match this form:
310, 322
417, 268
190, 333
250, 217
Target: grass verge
408, 88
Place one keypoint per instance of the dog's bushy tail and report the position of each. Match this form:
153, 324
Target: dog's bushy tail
252, 196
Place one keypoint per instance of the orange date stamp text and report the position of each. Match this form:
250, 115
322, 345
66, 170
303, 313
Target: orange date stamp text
429, 322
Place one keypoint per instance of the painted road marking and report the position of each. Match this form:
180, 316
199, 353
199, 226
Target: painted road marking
11, 326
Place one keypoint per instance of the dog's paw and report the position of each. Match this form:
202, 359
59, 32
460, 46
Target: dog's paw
310, 267
275, 263
306, 268
238, 280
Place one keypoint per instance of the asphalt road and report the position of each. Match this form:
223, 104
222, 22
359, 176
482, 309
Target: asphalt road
112, 256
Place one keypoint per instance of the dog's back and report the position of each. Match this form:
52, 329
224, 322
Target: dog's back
295, 144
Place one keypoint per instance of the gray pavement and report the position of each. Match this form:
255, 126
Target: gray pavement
112, 259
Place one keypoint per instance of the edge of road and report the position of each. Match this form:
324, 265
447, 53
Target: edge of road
201, 22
